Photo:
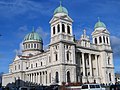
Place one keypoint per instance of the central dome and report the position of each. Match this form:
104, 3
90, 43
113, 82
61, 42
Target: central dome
33, 36
61, 9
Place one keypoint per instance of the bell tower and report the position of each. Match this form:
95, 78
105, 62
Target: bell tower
62, 45
61, 25
101, 35
101, 39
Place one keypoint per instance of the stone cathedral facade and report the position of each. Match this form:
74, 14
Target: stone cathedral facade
66, 59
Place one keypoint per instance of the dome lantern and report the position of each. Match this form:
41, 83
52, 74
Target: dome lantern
60, 9
99, 24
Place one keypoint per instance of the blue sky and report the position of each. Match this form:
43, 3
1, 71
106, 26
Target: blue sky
17, 18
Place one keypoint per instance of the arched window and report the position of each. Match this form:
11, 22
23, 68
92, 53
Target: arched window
34, 45
104, 39
41, 63
95, 40
28, 45
56, 56
63, 28
107, 40
108, 60
31, 45
110, 76
15, 67
100, 39
19, 66
68, 76
36, 64
54, 30
58, 28
67, 56
68, 29
57, 77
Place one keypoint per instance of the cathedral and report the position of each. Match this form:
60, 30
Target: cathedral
66, 59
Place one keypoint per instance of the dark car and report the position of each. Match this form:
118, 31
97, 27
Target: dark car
115, 87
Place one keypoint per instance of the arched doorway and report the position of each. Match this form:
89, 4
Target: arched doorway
57, 77
68, 76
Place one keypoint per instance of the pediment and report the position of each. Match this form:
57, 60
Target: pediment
17, 58
105, 31
65, 17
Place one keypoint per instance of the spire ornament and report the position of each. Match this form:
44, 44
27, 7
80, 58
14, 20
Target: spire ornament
60, 2
33, 29
98, 19
84, 32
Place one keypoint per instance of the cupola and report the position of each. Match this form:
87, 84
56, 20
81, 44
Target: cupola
32, 43
99, 24
60, 10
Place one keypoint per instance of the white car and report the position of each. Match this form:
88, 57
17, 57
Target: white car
92, 87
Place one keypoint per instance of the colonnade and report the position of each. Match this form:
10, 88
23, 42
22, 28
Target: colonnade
37, 77
91, 66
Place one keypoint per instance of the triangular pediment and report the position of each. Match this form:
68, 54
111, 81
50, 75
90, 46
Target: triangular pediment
66, 18
17, 58
105, 31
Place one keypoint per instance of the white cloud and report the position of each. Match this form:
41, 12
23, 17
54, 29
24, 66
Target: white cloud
42, 32
9, 8
115, 43
22, 30
19, 51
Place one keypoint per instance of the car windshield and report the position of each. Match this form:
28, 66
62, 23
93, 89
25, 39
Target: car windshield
85, 87
97, 86
92, 86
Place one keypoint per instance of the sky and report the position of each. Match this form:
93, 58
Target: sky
18, 17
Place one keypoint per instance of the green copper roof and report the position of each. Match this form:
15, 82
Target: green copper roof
99, 24
33, 36
61, 9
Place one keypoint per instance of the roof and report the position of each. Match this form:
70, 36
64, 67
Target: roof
33, 36
99, 24
61, 9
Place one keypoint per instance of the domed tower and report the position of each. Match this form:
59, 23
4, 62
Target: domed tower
101, 38
101, 34
32, 43
61, 25
62, 46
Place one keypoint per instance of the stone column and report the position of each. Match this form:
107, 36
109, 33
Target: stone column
33, 77
96, 65
83, 64
90, 63
38, 78
102, 39
30, 77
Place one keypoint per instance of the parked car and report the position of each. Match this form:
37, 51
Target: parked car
92, 87
115, 87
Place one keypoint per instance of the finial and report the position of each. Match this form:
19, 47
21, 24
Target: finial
84, 32
60, 2
33, 30
98, 19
